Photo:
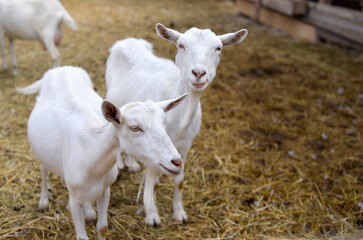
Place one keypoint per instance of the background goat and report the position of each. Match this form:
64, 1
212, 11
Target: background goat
33, 20
70, 136
134, 73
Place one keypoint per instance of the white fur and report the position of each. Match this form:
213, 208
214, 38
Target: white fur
134, 73
33, 20
76, 134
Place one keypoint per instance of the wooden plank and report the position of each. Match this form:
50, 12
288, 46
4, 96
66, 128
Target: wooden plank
327, 36
287, 7
331, 23
336, 11
292, 26
338, 20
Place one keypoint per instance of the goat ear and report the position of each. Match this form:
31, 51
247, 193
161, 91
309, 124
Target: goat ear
167, 105
233, 38
167, 33
111, 112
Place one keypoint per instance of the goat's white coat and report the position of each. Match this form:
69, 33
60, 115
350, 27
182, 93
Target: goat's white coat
72, 137
134, 73
33, 20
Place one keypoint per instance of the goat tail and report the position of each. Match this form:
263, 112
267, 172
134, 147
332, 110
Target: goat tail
69, 21
32, 88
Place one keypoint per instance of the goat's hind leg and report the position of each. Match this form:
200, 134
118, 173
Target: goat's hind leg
3, 51
49, 44
89, 213
14, 64
43, 201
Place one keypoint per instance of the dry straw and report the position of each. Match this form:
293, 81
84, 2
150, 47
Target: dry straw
279, 155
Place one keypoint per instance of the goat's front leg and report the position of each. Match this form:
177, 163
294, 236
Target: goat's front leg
178, 210
3, 51
77, 211
43, 200
152, 217
102, 206
14, 64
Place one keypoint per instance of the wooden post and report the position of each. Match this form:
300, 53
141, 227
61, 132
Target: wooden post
257, 10
266, 16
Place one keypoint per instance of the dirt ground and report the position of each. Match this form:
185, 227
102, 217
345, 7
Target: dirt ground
279, 155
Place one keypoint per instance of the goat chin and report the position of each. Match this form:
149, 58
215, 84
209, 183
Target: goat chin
191, 109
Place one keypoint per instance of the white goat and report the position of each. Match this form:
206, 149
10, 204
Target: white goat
33, 20
134, 73
70, 136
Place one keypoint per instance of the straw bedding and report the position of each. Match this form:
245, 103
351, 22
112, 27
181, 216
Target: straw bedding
279, 155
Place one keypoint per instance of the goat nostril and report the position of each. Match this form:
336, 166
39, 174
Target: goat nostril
195, 73
198, 74
177, 162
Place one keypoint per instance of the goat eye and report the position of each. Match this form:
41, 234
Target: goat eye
181, 46
135, 128
218, 49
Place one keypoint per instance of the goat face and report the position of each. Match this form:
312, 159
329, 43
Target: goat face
198, 57
198, 52
142, 135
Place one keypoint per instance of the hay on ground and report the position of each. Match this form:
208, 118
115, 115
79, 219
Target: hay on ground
279, 154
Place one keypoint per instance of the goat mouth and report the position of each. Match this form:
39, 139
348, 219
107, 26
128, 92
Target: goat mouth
200, 85
167, 169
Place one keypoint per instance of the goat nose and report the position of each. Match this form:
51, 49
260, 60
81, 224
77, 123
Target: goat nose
198, 73
177, 162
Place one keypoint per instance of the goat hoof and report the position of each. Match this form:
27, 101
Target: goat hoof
15, 70
43, 204
152, 220
180, 216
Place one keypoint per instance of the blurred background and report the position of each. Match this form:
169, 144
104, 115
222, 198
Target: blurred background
279, 154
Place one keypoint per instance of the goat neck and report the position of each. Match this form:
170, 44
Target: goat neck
187, 108
104, 149
191, 108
